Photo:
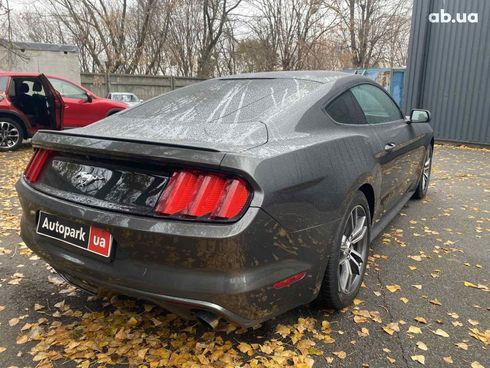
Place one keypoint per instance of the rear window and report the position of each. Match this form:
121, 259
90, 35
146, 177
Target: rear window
230, 100
3, 83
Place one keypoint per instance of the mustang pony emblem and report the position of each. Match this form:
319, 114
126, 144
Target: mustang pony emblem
82, 179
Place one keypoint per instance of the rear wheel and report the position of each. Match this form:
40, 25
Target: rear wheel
11, 134
424, 180
346, 266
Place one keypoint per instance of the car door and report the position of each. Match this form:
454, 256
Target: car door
399, 148
78, 105
58, 105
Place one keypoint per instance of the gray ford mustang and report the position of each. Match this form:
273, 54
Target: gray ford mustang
239, 197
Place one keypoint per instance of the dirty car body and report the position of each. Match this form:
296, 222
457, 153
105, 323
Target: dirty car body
223, 197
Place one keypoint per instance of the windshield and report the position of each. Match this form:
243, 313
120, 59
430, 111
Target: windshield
124, 97
230, 100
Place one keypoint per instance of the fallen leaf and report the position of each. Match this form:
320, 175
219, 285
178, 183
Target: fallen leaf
435, 302
340, 354
440, 332
404, 300
476, 364
2, 349
448, 360
414, 330
13, 322
462, 345
393, 288
422, 346
418, 358
421, 320
391, 328
417, 287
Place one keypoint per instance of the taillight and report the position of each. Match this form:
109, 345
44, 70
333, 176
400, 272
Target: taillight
195, 194
36, 164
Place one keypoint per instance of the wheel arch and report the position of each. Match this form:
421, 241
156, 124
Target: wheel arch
368, 192
18, 119
113, 111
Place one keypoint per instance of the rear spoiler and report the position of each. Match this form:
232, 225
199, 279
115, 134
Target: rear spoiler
126, 149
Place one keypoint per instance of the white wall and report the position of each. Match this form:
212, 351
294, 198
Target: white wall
64, 64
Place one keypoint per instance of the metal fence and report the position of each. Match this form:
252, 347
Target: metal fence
143, 86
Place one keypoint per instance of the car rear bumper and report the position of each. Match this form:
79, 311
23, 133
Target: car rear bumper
226, 269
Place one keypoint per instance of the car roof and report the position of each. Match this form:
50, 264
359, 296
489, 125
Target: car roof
321, 76
26, 74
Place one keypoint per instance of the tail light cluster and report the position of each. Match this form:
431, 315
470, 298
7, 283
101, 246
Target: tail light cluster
36, 164
189, 193
194, 194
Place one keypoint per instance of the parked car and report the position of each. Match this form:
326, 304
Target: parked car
128, 98
239, 197
30, 101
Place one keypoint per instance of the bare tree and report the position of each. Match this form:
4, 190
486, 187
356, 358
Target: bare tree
368, 26
292, 28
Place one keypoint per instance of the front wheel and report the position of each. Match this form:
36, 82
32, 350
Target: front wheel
11, 134
346, 266
424, 180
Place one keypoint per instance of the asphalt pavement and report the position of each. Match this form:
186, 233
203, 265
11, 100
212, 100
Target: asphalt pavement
425, 299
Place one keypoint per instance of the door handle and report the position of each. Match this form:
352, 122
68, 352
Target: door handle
389, 146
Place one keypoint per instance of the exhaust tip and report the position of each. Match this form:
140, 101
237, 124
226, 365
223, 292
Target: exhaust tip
207, 318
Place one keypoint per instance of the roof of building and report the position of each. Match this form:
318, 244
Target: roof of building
38, 46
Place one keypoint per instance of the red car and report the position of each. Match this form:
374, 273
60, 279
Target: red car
29, 102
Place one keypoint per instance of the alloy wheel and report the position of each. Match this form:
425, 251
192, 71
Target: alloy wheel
353, 250
426, 170
9, 134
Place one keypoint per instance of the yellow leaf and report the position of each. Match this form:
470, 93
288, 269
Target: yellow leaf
448, 360
340, 354
414, 330
417, 286
22, 339
476, 364
418, 358
132, 322
435, 302
404, 300
462, 345
13, 322
440, 332
470, 284
421, 345
391, 328
2, 349
393, 288
416, 258
421, 320
283, 330
245, 348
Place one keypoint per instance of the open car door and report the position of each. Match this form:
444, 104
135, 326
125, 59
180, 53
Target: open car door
56, 106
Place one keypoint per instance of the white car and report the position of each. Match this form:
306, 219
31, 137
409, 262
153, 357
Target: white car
128, 98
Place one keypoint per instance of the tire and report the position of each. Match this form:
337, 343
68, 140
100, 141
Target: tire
424, 179
335, 293
11, 134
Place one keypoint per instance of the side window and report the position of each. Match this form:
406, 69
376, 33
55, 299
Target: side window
4, 81
67, 89
376, 105
345, 109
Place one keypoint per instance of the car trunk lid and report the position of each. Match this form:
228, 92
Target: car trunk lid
216, 136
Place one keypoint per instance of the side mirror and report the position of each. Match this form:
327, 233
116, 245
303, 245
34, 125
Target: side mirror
89, 97
419, 116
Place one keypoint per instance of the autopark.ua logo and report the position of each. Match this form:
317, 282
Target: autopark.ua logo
443, 17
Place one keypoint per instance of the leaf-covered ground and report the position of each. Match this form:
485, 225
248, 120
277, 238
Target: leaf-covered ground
425, 299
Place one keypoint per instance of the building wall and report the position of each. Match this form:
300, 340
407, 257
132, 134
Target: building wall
60, 63
448, 69
143, 86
